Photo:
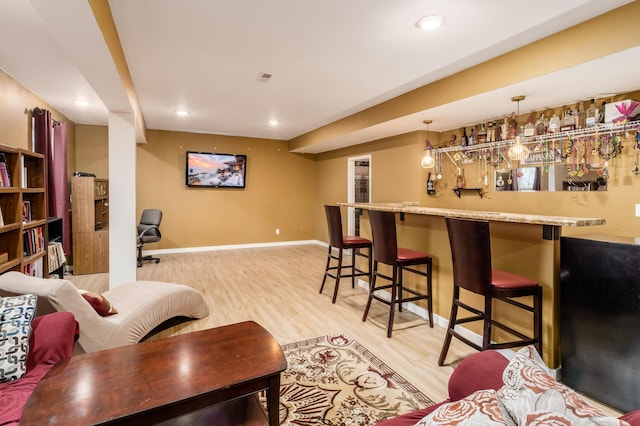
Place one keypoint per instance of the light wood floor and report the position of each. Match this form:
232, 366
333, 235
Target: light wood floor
278, 288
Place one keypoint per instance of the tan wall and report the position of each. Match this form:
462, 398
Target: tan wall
92, 150
15, 119
280, 192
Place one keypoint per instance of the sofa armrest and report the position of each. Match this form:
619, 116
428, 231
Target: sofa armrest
482, 370
52, 338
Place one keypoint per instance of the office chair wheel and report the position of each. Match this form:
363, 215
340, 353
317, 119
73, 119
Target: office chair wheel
157, 260
139, 264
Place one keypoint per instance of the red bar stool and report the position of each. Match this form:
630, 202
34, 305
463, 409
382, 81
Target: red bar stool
472, 271
343, 242
386, 250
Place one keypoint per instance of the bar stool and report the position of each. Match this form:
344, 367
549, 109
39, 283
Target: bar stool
342, 242
472, 271
386, 250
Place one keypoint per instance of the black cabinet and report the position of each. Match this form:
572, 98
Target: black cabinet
600, 318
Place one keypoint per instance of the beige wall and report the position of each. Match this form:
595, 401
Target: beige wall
280, 192
15, 120
92, 150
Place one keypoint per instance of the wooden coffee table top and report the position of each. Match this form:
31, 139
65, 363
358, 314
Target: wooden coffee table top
153, 381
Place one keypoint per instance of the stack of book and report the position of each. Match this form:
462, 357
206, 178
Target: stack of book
5, 181
33, 241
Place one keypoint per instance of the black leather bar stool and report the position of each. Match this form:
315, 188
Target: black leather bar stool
343, 242
473, 272
386, 250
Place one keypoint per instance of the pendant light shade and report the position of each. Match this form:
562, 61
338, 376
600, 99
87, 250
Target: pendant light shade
428, 162
518, 151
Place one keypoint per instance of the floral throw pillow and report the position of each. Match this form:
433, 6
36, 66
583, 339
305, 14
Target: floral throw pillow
480, 408
16, 314
533, 397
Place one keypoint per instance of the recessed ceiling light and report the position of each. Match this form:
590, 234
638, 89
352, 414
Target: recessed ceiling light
429, 22
80, 102
273, 122
182, 112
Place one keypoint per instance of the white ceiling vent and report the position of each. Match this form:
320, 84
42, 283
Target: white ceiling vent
264, 76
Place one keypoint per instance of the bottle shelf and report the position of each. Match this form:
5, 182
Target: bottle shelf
604, 128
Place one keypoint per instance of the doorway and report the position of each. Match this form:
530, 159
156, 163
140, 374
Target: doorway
359, 189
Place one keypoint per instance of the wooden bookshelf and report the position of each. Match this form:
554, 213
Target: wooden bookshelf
12, 196
90, 224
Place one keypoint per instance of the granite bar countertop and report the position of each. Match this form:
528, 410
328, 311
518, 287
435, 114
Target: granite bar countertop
534, 219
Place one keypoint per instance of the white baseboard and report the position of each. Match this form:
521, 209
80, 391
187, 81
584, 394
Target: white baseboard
232, 247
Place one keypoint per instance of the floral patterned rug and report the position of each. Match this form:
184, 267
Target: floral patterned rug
334, 380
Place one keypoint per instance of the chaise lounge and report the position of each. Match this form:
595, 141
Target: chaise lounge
141, 306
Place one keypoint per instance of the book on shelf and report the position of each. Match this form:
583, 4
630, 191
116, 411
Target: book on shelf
1, 218
5, 181
32, 241
56, 256
34, 268
26, 211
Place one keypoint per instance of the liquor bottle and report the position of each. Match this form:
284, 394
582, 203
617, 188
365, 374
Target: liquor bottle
482, 134
460, 179
529, 129
580, 117
541, 125
473, 137
554, 124
504, 126
464, 140
491, 132
592, 115
512, 130
602, 110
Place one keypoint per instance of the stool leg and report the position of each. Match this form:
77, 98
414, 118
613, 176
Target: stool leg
326, 270
370, 259
537, 319
450, 327
399, 288
488, 314
353, 267
430, 298
372, 287
338, 272
394, 299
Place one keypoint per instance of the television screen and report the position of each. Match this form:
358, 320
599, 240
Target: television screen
215, 170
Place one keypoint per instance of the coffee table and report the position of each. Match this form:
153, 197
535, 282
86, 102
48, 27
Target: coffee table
152, 382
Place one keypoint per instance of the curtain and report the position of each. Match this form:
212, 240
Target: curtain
50, 140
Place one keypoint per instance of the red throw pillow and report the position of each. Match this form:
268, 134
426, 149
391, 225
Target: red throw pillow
102, 306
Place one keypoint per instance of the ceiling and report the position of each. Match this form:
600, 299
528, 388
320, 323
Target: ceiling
328, 60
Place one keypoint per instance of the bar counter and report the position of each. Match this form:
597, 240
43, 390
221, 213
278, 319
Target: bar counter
532, 219
524, 244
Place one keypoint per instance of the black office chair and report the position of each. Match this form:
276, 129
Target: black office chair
149, 232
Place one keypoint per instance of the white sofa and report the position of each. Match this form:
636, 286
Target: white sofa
141, 305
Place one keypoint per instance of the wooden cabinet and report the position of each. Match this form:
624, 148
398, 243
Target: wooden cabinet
23, 207
90, 224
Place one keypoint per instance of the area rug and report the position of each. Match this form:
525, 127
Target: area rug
334, 380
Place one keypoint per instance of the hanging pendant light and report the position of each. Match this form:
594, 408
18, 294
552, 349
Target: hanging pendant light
428, 162
518, 151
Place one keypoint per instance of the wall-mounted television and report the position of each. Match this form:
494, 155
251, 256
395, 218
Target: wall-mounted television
215, 170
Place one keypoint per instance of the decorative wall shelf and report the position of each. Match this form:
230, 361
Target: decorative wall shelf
460, 191
605, 128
